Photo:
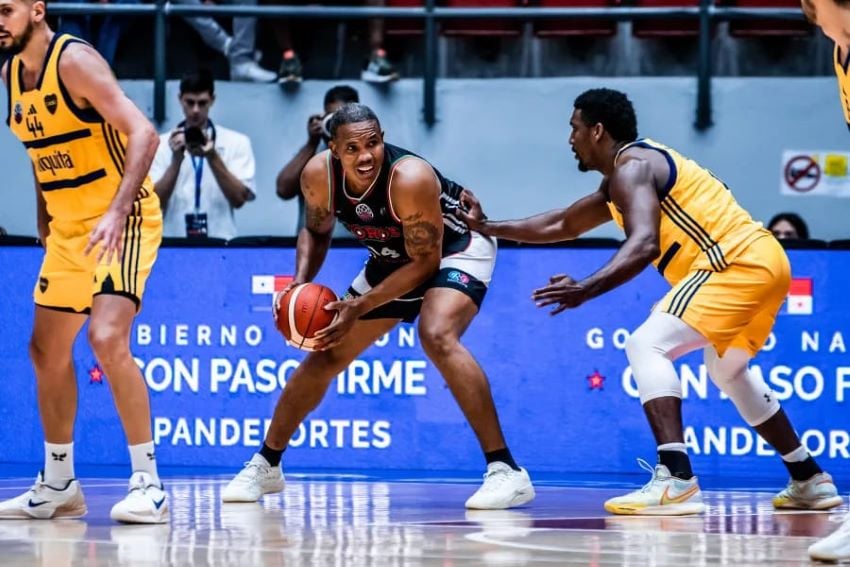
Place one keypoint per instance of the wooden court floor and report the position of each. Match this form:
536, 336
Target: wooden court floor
326, 520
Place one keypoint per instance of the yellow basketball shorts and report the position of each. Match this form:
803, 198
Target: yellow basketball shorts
69, 280
736, 307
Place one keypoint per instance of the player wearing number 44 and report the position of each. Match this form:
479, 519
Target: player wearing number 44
729, 278
423, 261
99, 222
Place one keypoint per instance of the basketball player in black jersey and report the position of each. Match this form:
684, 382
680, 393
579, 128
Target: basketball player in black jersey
423, 262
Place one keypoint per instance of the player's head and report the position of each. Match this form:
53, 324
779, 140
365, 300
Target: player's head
339, 95
833, 17
785, 226
18, 20
197, 95
357, 142
601, 117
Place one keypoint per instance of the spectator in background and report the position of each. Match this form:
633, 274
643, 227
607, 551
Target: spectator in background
289, 178
788, 226
104, 37
198, 194
238, 48
378, 69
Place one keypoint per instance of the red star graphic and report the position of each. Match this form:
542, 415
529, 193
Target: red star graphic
596, 380
96, 375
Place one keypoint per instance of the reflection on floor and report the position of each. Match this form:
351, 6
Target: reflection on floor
322, 520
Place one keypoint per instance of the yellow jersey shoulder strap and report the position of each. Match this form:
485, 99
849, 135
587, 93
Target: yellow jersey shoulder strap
649, 144
83, 114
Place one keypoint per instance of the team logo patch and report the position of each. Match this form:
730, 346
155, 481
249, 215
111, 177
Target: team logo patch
19, 112
51, 102
458, 278
364, 212
42, 284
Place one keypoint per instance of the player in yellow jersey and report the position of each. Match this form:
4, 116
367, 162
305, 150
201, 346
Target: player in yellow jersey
101, 226
833, 17
729, 278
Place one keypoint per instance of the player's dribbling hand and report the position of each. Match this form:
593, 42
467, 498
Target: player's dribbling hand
277, 296
347, 313
470, 211
563, 290
109, 234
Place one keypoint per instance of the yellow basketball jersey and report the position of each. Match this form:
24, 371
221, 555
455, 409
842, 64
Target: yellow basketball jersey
841, 71
77, 156
702, 226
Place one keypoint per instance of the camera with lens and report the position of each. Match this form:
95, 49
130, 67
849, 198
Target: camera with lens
194, 136
326, 125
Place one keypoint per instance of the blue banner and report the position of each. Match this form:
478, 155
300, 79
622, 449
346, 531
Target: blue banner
215, 366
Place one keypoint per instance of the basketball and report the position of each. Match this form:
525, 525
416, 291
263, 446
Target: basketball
301, 313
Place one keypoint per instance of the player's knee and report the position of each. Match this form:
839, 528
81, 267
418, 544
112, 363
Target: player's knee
438, 339
108, 342
727, 370
44, 358
640, 344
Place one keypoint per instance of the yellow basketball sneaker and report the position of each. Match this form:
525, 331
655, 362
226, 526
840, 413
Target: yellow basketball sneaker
817, 493
663, 495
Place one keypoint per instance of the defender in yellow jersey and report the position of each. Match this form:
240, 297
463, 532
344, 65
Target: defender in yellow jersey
729, 277
833, 17
100, 223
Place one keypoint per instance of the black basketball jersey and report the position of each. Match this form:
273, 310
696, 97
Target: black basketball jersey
370, 217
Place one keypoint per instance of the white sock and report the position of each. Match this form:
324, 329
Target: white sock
143, 459
58, 462
681, 447
797, 455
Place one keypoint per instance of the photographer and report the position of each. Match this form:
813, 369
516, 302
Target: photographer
199, 192
289, 179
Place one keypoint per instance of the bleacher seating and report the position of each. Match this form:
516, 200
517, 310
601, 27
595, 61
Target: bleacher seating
575, 27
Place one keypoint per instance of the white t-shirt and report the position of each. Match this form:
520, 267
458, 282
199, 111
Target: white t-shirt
238, 156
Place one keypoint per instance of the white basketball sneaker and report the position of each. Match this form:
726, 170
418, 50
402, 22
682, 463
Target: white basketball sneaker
45, 502
834, 547
663, 495
146, 502
258, 477
817, 493
503, 488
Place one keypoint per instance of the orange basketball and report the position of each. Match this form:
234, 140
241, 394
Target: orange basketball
301, 314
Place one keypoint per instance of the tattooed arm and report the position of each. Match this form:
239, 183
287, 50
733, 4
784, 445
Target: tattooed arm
315, 238
415, 198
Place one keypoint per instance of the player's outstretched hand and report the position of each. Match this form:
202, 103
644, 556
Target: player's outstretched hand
348, 312
109, 234
563, 290
470, 211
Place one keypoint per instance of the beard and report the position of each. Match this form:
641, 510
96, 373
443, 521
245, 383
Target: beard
18, 44
583, 167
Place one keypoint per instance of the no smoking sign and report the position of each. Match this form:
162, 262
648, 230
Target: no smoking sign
802, 173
